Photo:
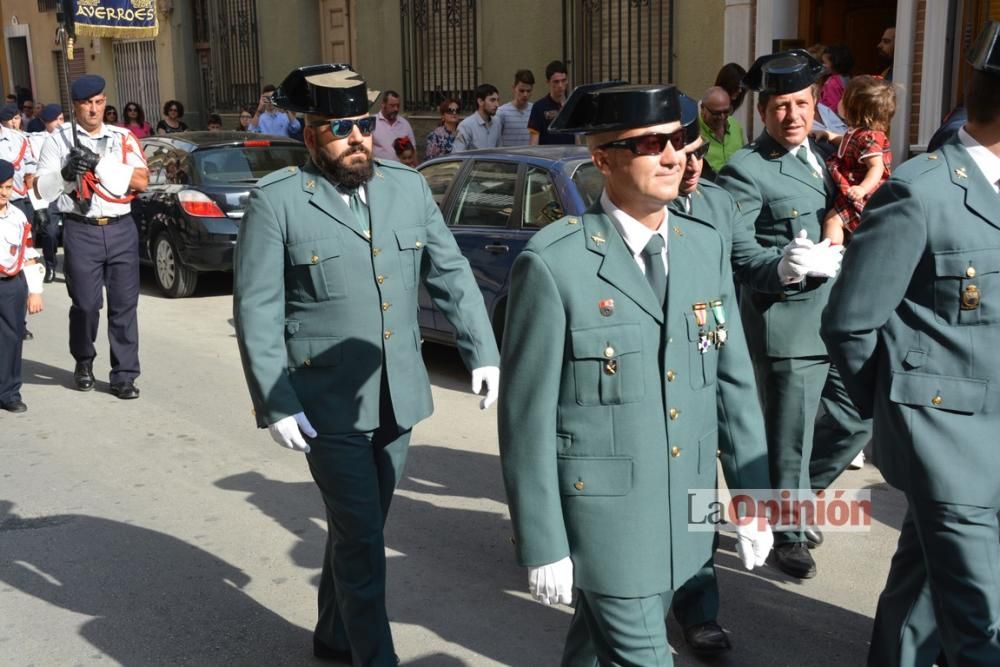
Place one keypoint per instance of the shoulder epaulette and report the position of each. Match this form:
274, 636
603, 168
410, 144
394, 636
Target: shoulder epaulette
277, 176
555, 231
922, 164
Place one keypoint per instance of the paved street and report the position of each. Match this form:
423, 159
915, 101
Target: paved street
169, 530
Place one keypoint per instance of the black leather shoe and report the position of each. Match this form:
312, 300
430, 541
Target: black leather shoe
814, 536
83, 375
329, 654
28, 335
794, 559
708, 637
50, 275
14, 406
125, 390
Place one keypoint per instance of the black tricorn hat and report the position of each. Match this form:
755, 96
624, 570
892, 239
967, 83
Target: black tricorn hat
333, 90
985, 55
689, 119
783, 73
616, 105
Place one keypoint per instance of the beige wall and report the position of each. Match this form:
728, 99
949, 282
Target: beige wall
699, 36
380, 55
509, 41
41, 28
289, 33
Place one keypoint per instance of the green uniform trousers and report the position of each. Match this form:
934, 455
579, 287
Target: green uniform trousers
697, 601
357, 474
618, 632
943, 589
805, 452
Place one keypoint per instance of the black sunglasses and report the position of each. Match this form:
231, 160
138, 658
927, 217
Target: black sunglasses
700, 152
342, 127
451, 110
650, 144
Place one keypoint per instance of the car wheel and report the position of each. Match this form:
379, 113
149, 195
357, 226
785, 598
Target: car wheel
174, 279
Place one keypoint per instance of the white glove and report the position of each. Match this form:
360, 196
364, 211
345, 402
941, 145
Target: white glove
114, 175
824, 260
491, 376
553, 583
793, 266
288, 431
753, 542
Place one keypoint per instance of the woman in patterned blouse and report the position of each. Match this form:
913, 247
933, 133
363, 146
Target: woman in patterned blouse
439, 141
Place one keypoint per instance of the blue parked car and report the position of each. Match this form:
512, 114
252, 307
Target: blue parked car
493, 201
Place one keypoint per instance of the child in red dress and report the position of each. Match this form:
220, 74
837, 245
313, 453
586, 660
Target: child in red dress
861, 163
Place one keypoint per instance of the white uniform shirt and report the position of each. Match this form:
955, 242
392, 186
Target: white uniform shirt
12, 237
635, 233
987, 162
108, 140
12, 143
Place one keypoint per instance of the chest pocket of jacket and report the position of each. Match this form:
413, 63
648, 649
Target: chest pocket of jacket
703, 365
318, 268
607, 365
786, 217
967, 286
411, 241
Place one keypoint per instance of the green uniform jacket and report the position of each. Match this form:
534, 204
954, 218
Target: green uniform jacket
594, 467
902, 327
319, 309
777, 196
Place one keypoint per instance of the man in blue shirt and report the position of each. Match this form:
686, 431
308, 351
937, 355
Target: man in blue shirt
269, 120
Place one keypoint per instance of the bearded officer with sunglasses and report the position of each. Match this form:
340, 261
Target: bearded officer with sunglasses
620, 371
328, 264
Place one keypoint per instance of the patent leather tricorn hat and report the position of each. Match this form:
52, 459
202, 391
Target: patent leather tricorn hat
783, 73
616, 105
334, 90
985, 55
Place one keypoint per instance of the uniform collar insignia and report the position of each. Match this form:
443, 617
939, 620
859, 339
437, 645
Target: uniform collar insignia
310, 184
597, 238
677, 230
774, 154
960, 172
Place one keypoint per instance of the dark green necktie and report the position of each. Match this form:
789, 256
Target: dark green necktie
656, 274
361, 213
803, 155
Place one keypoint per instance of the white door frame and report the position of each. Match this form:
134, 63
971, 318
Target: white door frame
19, 30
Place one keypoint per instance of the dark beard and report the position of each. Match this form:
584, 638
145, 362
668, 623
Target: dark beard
338, 172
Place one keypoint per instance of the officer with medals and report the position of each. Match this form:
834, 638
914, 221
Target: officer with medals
16, 149
780, 184
100, 168
328, 265
914, 324
20, 289
615, 389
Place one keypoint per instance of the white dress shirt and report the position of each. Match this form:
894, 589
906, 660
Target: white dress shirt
987, 161
636, 234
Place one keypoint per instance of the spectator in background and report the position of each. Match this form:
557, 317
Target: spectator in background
268, 119
722, 132
37, 123
480, 130
171, 122
11, 99
27, 112
730, 79
406, 152
441, 139
246, 117
135, 120
887, 51
390, 126
214, 123
547, 108
513, 116
837, 61
111, 115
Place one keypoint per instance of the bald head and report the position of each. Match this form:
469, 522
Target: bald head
716, 106
716, 96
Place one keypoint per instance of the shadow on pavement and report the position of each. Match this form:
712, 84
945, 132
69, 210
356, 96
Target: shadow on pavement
153, 598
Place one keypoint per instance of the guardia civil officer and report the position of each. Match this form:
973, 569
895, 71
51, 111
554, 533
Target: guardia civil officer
16, 149
621, 338
914, 324
20, 289
101, 168
328, 265
782, 188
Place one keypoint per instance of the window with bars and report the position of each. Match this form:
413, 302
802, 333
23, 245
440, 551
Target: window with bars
440, 44
136, 73
77, 68
225, 36
624, 39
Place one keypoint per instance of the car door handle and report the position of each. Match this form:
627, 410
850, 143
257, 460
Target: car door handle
497, 249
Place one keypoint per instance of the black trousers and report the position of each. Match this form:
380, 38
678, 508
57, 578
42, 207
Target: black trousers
99, 257
13, 304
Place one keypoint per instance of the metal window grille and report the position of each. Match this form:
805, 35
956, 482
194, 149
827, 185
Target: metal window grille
47, 5
136, 72
77, 68
225, 35
624, 39
440, 45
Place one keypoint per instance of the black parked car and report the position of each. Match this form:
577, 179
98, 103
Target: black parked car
199, 184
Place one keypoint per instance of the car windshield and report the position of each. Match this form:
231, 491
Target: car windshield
231, 165
589, 182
